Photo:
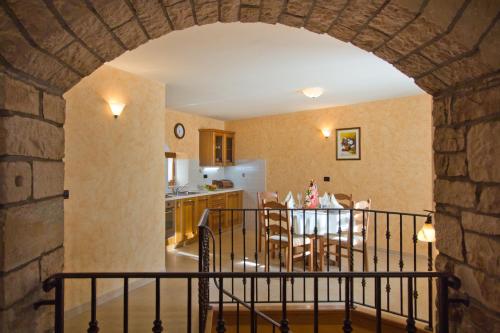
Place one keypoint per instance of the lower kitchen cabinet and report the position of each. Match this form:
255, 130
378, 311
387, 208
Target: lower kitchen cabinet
185, 219
216, 218
189, 211
201, 205
234, 200
189, 217
179, 231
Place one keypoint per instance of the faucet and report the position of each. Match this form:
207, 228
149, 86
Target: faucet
178, 188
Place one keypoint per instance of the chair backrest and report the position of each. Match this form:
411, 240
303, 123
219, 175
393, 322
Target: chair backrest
263, 197
278, 217
358, 216
344, 199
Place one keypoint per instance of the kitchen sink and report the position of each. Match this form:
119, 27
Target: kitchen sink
188, 193
183, 193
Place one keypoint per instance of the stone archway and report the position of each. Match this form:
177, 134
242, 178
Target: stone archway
451, 49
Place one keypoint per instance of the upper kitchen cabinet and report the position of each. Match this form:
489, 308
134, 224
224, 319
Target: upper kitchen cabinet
229, 148
217, 147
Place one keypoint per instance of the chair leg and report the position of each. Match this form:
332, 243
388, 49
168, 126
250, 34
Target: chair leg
287, 263
338, 249
349, 256
266, 256
321, 254
365, 256
260, 237
311, 257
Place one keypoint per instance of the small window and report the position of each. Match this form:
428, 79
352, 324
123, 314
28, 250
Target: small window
170, 168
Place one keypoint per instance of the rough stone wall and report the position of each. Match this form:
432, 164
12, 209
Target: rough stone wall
31, 202
431, 41
467, 194
446, 46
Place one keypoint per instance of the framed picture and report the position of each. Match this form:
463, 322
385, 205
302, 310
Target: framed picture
349, 143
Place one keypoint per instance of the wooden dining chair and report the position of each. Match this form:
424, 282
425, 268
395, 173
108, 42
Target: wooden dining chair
343, 241
263, 197
279, 237
344, 199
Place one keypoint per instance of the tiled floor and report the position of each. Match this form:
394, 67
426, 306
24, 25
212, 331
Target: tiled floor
174, 292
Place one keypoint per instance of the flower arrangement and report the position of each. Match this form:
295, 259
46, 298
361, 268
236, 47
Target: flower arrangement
311, 199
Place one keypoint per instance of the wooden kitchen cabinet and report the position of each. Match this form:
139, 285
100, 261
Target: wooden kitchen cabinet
185, 219
217, 147
201, 205
217, 201
234, 200
189, 211
179, 231
229, 148
189, 217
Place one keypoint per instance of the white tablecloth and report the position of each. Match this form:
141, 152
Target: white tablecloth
301, 227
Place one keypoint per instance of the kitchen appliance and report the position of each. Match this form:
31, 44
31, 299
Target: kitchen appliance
169, 219
223, 183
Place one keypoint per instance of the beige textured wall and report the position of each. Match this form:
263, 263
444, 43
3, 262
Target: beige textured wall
395, 169
114, 219
187, 147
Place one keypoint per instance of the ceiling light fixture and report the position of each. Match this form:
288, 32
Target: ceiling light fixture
116, 108
313, 92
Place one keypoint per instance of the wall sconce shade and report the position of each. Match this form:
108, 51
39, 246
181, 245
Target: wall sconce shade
116, 108
326, 132
427, 233
313, 92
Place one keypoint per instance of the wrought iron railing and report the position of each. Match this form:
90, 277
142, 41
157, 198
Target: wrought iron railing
205, 235
236, 248
58, 281
242, 287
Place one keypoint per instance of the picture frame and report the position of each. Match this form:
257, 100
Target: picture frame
348, 143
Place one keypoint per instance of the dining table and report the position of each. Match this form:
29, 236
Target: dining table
325, 220
316, 223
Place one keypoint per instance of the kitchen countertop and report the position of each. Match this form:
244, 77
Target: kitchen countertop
202, 193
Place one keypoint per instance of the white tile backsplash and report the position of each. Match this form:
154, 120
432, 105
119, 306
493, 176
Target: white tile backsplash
196, 174
182, 170
250, 175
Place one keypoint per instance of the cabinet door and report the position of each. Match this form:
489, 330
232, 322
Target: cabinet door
179, 232
218, 148
239, 205
201, 205
216, 218
229, 149
233, 202
188, 217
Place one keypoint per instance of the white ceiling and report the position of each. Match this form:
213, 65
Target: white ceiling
232, 71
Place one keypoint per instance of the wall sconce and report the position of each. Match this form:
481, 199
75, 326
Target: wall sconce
326, 132
427, 233
116, 108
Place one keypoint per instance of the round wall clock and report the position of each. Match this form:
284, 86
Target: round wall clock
179, 131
